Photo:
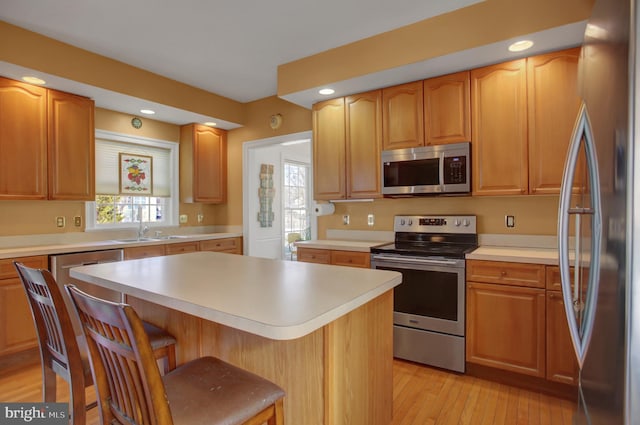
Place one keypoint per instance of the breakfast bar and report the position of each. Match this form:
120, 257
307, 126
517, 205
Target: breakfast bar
323, 333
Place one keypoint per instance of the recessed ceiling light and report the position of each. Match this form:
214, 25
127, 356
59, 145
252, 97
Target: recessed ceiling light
521, 45
147, 111
33, 80
211, 123
326, 92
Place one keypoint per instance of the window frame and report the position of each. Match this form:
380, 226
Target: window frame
172, 204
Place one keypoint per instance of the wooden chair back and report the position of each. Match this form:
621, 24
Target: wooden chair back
129, 386
59, 350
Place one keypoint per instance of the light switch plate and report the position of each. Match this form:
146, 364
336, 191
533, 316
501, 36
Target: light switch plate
370, 220
60, 221
200, 217
509, 221
77, 221
183, 218
345, 219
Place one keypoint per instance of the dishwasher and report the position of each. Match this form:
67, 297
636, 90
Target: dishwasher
61, 264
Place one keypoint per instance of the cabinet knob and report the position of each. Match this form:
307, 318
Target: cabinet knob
503, 273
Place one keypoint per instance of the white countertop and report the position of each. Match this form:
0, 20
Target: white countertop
342, 245
63, 248
547, 256
272, 298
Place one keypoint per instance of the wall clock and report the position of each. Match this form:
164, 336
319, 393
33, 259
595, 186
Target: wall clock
136, 122
276, 121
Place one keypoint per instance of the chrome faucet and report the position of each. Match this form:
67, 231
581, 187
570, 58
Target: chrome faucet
142, 230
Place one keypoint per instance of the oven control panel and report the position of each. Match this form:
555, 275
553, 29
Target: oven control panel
435, 224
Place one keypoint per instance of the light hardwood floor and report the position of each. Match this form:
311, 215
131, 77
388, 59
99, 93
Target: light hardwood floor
421, 396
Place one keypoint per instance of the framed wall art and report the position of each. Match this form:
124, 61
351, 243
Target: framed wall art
136, 176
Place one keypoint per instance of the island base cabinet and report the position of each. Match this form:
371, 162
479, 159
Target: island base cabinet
506, 327
340, 374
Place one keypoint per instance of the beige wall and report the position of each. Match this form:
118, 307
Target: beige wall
534, 215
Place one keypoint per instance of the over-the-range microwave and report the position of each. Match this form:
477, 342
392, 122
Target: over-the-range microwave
427, 170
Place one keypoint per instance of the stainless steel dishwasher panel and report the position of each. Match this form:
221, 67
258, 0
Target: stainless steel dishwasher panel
61, 264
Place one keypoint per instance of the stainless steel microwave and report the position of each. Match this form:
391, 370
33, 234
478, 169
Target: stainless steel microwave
427, 170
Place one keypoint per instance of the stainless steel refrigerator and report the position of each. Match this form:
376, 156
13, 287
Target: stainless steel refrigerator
598, 221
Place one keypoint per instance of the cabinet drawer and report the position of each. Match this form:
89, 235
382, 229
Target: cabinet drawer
181, 248
7, 270
553, 277
232, 245
143, 252
312, 255
350, 258
505, 273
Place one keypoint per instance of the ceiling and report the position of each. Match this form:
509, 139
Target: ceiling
233, 47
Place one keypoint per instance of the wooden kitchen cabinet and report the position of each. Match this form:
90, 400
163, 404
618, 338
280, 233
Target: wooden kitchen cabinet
562, 365
203, 164
506, 273
553, 104
329, 155
71, 145
499, 129
180, 248
334, 257
506, 327
23, 141
351, 259
230, 245
346, 149
403, 116
447, 109
17, 331
363, 145
313, 255
144, 251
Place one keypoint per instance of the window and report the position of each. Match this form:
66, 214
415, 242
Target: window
296, 205
114, 210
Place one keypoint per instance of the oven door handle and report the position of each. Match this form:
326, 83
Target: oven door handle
414, 260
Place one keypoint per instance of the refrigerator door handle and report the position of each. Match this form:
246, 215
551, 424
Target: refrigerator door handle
580, 334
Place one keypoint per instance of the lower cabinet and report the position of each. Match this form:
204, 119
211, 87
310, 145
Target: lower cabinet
180, 248
516, 320
230, 245
17, 331
506, 327
145, 251
335, 257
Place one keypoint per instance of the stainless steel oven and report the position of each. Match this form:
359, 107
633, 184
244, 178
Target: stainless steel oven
429, 304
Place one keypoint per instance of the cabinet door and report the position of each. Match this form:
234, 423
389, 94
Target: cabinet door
351, 259
561, 359
499, 129
506, 327
553, 104
230, 245
447, 109
329, 142
143, 252
209, 165
363, 144
23, 141
402, 116
313, 255
71, 147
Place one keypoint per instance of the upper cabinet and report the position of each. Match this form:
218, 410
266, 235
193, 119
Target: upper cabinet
402, 116
499, 129
553, 105
71, 147
329, 143
447, 109
363, 144
203, 164
347, 136
47, 143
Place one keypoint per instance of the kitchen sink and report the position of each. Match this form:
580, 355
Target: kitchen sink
151, 239
169, 237
136, 240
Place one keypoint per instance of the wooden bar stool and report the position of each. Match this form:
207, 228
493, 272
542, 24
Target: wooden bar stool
131, 390
64, 353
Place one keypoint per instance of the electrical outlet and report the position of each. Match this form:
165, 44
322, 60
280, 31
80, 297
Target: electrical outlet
509, 221
200, 217
370, 219
77, 221
183, 218
345, 219
60, 221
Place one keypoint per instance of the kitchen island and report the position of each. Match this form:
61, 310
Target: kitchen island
323, 333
